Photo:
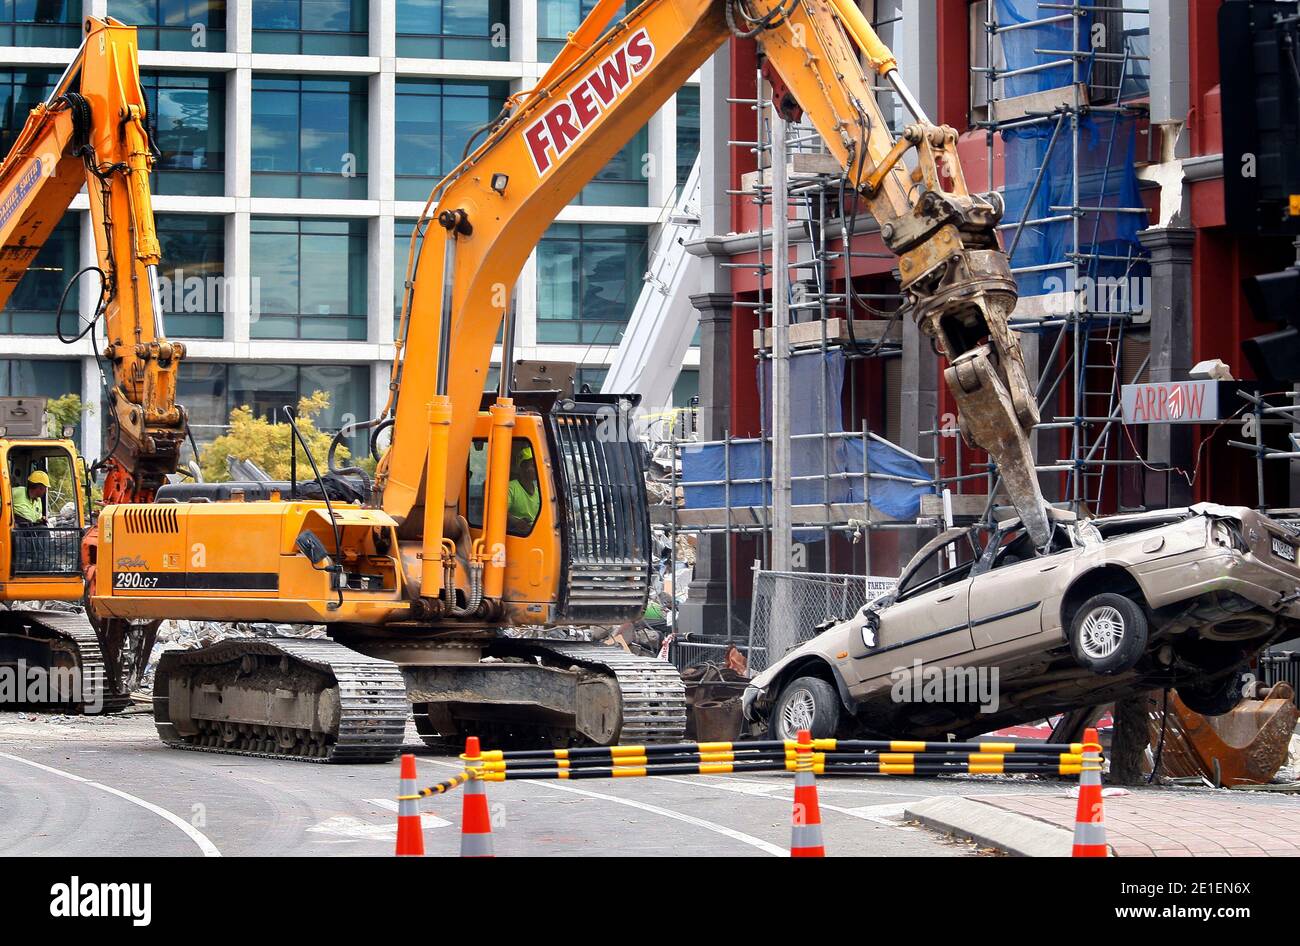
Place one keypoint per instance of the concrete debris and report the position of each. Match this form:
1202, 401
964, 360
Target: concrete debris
636, 637
182, 635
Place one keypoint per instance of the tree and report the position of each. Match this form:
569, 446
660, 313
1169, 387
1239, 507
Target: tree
267, 444
62, 412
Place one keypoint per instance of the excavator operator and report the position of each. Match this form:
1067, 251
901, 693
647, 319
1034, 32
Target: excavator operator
29, 511
523, 496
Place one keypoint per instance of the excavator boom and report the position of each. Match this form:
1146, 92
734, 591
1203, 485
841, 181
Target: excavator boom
92, 131
488, 214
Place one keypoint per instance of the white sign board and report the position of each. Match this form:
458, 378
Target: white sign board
1171, 402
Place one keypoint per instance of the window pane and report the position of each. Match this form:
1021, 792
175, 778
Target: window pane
312, 278
275, 137
588, 280
309, 138
622, 181
312, 27
35, 300
276, 15
557, 18
39, 378
267, 389
187, 114
274, 264
192, 276
434, 122
453, 29
688, 131
202, 389
20, 92
349, 395
40, 23
174, 24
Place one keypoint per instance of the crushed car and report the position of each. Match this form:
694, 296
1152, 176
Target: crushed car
983, 630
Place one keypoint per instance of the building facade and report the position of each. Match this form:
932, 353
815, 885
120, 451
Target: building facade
300, 140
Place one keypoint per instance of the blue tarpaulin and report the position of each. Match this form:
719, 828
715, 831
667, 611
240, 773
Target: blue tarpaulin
1106, 172
704, 467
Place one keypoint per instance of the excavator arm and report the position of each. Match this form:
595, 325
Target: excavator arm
484, 219
92, 131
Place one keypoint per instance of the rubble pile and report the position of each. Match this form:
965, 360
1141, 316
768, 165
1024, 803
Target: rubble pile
182, 635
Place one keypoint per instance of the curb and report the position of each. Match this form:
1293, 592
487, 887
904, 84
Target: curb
989, 825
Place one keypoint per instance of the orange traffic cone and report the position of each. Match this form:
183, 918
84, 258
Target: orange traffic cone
475, 820
806, 821
1089, 828
410, 835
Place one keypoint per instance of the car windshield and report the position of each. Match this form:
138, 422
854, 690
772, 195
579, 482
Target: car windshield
1127, 525
946, 564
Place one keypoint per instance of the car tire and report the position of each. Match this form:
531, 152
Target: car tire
805, 703
1215, 697
1108, 634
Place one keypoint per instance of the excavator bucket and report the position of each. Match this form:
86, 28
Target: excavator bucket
1244, 747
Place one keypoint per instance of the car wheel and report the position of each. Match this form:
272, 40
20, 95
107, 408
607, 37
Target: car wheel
1215, 697
806, 703
1108, 633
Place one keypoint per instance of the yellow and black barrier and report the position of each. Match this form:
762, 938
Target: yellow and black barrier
829, 757
790, 746
806, 759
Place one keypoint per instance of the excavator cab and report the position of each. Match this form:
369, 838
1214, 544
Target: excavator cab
53, 655
42, 511
577, 524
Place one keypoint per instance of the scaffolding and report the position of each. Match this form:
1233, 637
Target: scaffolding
1061, 84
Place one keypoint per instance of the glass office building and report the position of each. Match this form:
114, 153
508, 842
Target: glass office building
299, 141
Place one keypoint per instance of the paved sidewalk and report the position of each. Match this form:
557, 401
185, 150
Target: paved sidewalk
1167, 822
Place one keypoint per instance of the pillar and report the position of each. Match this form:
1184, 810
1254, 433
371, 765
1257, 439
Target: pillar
1170, 301
705, 609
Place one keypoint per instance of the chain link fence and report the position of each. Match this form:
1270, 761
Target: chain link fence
788, 607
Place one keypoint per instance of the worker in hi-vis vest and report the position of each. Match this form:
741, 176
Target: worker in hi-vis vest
28, 509
524, 496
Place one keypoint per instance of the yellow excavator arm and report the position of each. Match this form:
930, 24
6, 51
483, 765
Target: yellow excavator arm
92, 131
484, 219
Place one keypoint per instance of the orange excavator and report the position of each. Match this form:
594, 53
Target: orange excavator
488, 513
90, 132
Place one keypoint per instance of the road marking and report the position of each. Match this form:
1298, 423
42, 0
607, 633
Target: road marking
723, 830
873, 813
354, 829
735, 835
426, 819
889, 815
194, 834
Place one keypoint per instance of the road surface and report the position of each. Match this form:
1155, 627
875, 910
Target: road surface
88, 786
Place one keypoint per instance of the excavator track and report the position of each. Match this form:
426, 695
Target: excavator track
652, 691
363, 719
71, 632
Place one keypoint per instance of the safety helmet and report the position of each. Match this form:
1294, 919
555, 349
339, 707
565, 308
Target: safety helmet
38, 478
525, 452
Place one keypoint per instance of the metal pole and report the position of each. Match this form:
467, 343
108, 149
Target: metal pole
782, 535
726, 465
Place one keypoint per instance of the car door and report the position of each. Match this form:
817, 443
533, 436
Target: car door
1007, 595
929, 621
